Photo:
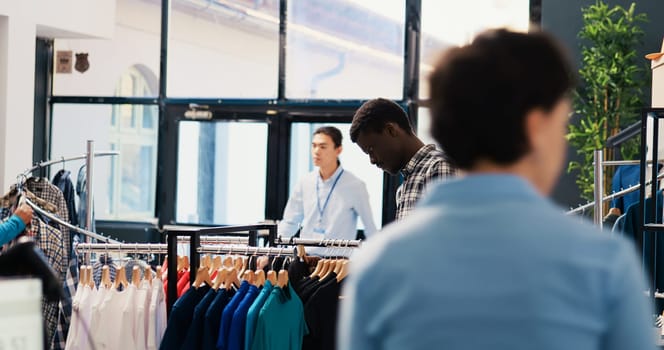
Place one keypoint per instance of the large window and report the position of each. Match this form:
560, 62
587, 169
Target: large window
223, 49
352, 159
344, 49
221, 172
447, 23
224, 57
124, 185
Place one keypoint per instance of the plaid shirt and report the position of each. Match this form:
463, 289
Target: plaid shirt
426, 165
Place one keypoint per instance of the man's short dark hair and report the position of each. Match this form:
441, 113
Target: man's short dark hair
374, 114
481, 93
332, 132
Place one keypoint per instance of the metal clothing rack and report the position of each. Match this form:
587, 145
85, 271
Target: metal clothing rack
341, 243
89, 163
194, 236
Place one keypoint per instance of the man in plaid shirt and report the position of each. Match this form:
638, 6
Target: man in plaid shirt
382, 130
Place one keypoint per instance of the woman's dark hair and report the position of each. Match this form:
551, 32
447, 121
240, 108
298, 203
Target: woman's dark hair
374, 114
482, 92
332, 132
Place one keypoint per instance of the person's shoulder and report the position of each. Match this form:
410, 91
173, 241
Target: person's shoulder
349, 178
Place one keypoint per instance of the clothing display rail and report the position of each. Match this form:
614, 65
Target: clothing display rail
340, 243
194, 236
68, 225
89, 156
612, 196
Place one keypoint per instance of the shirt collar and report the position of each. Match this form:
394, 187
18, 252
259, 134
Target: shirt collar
334, 175
417, 158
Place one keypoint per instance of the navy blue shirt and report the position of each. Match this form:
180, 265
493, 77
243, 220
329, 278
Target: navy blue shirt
227, 316
213, 317
238, 327
181, 314
194, 337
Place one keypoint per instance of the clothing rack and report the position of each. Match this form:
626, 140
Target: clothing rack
194, 236
339, 243
612, 196
89, 156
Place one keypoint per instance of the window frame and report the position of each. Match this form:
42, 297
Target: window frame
279, 113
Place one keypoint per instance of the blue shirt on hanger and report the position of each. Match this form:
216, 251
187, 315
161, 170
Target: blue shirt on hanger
227, 316
252, 314
238, 327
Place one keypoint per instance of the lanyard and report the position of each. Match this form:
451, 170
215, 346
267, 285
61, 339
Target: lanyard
334, 184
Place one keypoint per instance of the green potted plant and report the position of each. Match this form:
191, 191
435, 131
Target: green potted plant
610, 92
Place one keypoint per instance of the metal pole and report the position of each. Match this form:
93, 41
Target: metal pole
599, 187
89, 168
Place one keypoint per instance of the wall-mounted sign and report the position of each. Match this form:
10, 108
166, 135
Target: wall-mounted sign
63, 62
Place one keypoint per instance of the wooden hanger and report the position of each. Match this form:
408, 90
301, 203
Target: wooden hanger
216, 263
228, 261
301, 253
248, 276
222, 276
185, 262
319, 267
259, 278
158, 276
272, 277
121, 278
206, 261
147, 275
202, 276
239, 264
106, 277
83, 276
89, 276
180, 266
136, 276
343, 271
233, 278
282, 278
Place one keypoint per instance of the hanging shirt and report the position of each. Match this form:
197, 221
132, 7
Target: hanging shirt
239, 324
96, 327
118, 308
77, 337
213, 317
142, 308
194, 337
320, 313
252, 314
157, 315
181, 315
341, 199
297, 271
227, 316
498, 266
280, 322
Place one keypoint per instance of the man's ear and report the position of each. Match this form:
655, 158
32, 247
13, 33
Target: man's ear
338, 150
535, 128
391, 129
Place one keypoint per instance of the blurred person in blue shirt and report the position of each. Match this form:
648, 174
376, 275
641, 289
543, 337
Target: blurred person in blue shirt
487, 261
326, 202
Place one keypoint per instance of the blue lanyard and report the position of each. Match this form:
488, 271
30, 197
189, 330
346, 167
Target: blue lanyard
334, 184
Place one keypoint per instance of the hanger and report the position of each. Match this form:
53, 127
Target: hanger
83, 276
248, 276
343, 271
136, 276
88, 276
232, 278
185, 262
147, 275
158, 276
121, 278
222, 276
202, 276
301, 253
282, 278
259, 278
206, 261
216, 262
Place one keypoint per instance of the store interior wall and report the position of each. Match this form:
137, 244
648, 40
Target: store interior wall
21, 22
563, 19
